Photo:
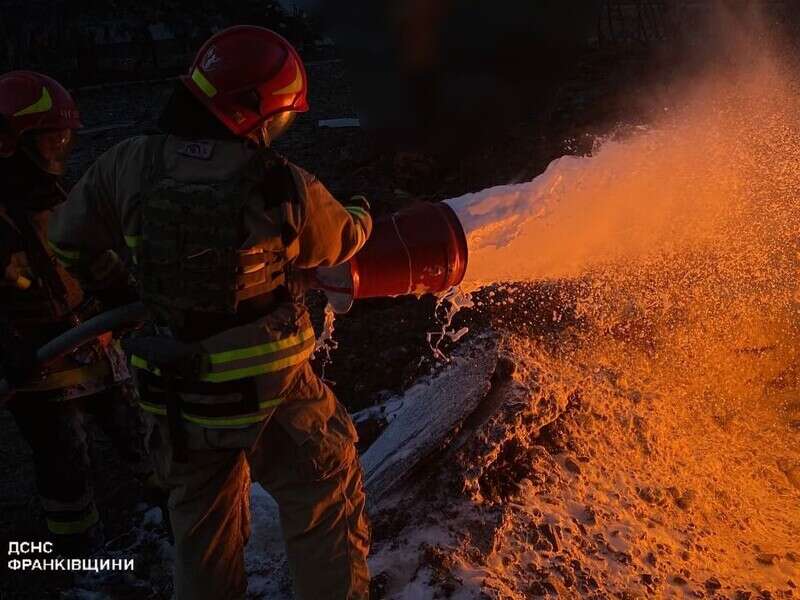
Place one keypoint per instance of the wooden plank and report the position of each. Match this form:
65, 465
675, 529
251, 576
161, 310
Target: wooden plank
430, 415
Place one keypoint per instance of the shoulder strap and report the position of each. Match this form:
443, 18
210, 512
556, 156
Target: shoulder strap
280, 190
155, 151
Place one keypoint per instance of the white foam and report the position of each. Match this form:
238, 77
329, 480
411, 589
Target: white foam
496, 218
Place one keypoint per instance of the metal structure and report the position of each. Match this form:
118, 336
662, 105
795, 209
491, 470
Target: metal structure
634, 21
644, 22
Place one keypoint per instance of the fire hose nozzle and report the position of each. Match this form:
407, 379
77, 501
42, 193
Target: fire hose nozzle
419, 250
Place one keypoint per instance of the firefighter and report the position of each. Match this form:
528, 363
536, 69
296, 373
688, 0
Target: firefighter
220, 227
39, 300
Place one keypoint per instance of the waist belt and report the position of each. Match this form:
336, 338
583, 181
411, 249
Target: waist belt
169, 368
241, 363
157, 396
198, 325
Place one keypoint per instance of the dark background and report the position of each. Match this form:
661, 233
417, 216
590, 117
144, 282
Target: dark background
431, 73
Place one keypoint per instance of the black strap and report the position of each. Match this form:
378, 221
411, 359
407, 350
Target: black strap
278, 178
155, 391
177, 435
280, 188
187, 386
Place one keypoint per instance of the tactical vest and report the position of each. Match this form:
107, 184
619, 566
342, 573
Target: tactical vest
189, 255
233, 336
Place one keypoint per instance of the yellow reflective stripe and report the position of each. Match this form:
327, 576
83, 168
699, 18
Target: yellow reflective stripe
68, 378
215, 421
70, 255
356, 210
225, 421
72, 527
140, 363
233, 374
294, 87
245, 353
132, 241
262, 349
43, 104
153, 408
262, 369
203, 83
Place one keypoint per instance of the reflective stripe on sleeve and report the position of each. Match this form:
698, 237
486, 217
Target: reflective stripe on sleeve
132, 241
357, 211
66, 256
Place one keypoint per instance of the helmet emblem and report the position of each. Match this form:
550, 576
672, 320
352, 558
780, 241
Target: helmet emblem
294, 87
211, 61
42, 105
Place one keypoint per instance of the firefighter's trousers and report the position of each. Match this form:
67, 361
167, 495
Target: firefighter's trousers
56, 432
317, 484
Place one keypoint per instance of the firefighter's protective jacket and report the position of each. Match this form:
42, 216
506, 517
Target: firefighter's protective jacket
40, 300
102, 221
29, 300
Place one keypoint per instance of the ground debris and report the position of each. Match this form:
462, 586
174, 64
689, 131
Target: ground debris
544, 496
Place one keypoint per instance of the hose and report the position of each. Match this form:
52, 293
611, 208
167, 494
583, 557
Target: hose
85, 332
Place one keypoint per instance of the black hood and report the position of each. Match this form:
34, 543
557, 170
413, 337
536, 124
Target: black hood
184, 116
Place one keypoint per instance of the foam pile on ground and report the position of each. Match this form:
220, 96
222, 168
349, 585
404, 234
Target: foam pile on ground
580, 483
647, 442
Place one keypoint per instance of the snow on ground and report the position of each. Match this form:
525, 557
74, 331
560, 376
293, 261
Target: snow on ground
147, 543
265, 558
583, 484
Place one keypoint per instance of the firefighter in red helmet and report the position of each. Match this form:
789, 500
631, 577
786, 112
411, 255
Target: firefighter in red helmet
39, 300
219, 226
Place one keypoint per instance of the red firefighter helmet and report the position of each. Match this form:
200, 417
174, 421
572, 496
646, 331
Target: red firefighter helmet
39, 115
245, 75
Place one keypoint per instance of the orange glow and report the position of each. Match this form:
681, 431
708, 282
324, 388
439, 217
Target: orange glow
686, 340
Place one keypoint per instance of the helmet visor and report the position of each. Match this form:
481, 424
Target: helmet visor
50, 148
53, 147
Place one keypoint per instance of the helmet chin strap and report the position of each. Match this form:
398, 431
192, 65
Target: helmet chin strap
271, 129
260, 135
